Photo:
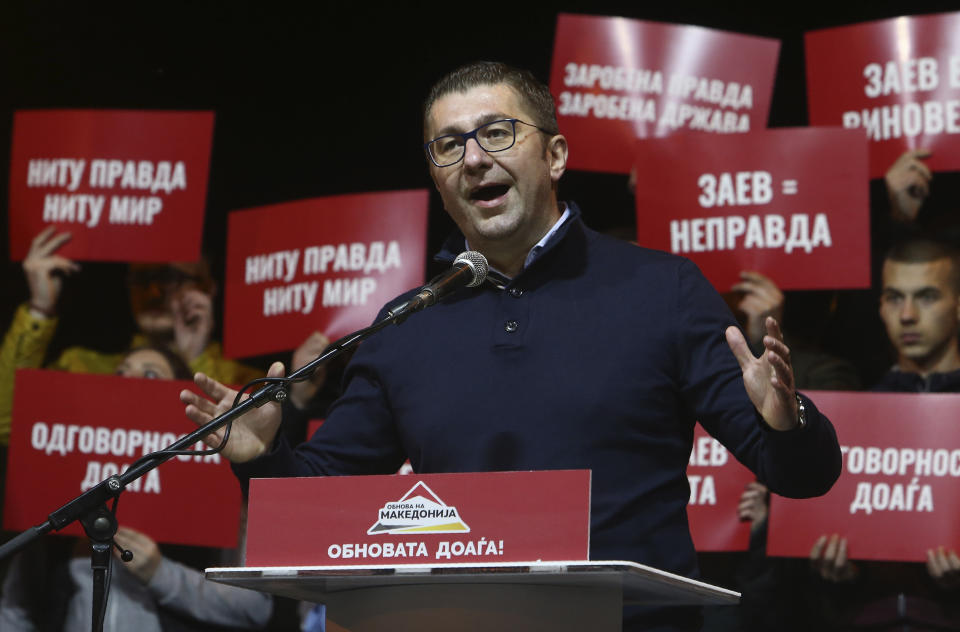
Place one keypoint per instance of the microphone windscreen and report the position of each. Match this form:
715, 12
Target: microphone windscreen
476, 262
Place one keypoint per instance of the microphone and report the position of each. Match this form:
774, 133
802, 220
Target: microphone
469, 269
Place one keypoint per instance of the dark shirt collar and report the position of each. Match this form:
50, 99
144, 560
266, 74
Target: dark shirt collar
905, 382
456, 243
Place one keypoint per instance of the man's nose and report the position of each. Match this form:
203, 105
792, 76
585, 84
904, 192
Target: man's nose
474, 155
908, 313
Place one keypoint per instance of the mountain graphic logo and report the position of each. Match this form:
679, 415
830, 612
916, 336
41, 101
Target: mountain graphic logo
419, 511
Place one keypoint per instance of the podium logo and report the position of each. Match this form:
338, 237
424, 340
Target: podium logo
419, 511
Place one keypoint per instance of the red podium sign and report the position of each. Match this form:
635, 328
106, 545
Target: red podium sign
419, 519
716, 480
327, 264
127, 185
898, 80
616, 79
901, 475
766, 201
96, 426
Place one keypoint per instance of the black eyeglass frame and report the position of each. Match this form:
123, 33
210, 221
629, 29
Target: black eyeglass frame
473, 134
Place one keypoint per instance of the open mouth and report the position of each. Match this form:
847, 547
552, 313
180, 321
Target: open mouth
489, 193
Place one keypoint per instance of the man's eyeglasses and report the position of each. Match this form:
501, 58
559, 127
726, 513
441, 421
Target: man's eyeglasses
492, 137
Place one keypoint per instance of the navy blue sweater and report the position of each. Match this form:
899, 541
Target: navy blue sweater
613, 352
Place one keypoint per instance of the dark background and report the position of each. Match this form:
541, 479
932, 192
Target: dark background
321, 100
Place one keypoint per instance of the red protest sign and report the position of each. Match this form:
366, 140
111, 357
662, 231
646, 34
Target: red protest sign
792, 204
901, 475
128, 185
717, 481
898, 80
615, 80
419, 519
95, 427
326, 264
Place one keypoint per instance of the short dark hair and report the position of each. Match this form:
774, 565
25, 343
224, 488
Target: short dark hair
925, 249
534, 94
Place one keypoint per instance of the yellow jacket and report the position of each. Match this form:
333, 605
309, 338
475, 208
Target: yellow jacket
27, 340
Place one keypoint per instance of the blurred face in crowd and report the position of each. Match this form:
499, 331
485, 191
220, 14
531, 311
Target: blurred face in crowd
920, 307
507, 197
152, 290
146, 363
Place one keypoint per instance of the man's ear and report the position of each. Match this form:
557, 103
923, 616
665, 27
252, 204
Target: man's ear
557, 156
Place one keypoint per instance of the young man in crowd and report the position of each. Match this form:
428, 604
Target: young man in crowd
920, 308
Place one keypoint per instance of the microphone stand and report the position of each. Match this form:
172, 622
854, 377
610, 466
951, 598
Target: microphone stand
100, 523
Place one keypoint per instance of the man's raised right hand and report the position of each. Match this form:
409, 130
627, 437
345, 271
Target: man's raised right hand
252, 433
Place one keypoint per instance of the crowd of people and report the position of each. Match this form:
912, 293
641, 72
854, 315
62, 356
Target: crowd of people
49, 586
919, 306
581, 370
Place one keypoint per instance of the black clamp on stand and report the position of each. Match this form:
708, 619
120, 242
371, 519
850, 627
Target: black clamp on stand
100, 525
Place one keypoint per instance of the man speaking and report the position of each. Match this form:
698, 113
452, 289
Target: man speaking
579, 351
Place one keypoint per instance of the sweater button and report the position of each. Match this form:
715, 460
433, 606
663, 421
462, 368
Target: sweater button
516, 292
511, 326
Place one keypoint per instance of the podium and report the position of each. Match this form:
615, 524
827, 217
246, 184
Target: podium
554, 596
506, 538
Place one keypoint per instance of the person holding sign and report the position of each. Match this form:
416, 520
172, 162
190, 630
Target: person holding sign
756, 297
49, 585
909, 203
920, 308
579, 352
172, 305
908, 184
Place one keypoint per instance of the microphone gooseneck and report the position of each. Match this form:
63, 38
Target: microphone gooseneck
469, 269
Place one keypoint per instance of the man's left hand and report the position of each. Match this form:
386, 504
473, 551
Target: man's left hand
769, 378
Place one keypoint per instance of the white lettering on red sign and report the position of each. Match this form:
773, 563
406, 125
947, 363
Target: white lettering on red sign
88, 209
377, 549
616, 78
301, 297
742, 188
703, 490
639, 90
899, 77
144, 174
707, 234
893, 461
